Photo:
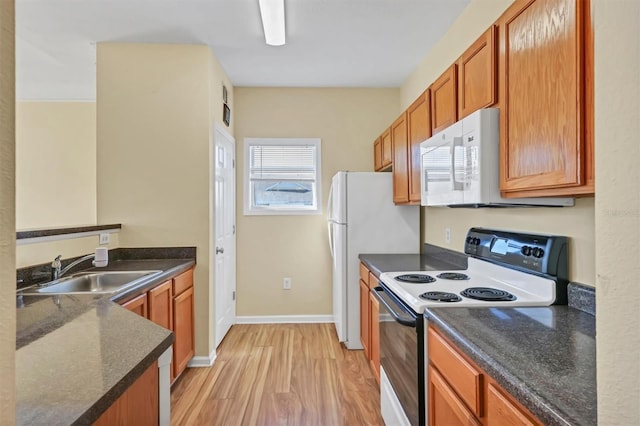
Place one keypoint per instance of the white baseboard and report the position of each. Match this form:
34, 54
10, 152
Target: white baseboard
283, 319
203, 361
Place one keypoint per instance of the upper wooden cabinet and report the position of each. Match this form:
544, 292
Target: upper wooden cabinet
444, 97
400, 160
377, 154
477, 77
383, 152
543, 148
387, 149
418, 129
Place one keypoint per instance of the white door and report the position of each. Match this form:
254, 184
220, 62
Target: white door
224, 250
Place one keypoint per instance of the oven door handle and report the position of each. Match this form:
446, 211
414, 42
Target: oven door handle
398, 312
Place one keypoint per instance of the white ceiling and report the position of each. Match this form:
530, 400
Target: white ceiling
330, 43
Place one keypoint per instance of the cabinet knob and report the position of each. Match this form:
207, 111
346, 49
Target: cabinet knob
219, 250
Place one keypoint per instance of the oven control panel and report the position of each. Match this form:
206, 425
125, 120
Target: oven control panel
542, 254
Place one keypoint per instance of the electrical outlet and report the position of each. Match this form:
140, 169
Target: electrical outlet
447, 235
286, 283
104, 238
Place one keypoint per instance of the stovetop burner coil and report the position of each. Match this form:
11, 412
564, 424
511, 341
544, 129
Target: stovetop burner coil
440, 296
488, 294
416, 278
453, 276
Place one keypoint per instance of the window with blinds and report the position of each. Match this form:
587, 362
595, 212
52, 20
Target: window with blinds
282, 176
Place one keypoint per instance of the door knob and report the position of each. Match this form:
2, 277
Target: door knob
219, 250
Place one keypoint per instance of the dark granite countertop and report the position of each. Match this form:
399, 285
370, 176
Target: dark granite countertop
545, 357
41, 232
76, 354
433, 258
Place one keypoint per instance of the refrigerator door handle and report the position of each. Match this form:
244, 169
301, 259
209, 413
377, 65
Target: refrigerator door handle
330, 228
330, 204
330, 220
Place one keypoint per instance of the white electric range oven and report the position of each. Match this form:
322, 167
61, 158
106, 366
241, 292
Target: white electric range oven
504, 269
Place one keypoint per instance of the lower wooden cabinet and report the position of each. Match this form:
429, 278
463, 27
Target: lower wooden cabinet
460, 393
138, 405
170, 305
501, 411
365, 321
183, 347
138, 305
161, 306
369, 317
445, 407
374, 352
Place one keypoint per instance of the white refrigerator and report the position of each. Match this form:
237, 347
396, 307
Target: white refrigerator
363, 219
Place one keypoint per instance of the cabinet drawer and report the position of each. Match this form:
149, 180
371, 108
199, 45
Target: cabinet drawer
182, 282
462, 376
364, 273
373, 280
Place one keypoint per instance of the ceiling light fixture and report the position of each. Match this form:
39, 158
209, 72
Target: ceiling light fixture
272, 13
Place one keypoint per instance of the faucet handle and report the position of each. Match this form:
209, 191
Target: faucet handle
56, 262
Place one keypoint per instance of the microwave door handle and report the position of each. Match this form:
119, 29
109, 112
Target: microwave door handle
457, 186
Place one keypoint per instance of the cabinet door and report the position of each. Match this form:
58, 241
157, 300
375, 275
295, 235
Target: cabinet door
445, 408
501, 412
374, 315
160, 305
477, 75
461, 375
387, 149
400, 160
138, 405
418, 129
137, 305
444, 100
183, 347
541, 95
365, 320
377, 154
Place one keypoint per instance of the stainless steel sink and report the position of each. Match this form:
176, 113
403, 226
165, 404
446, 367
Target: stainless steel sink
106, 282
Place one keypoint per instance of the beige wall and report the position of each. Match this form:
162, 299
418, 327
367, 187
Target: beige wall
7, 215
473, 21
576, 222
43, 252
154, 121
55, 164
617, 207
273, 247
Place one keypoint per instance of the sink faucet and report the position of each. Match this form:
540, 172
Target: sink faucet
56, 266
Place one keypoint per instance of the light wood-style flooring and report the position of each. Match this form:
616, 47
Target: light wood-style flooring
279, 374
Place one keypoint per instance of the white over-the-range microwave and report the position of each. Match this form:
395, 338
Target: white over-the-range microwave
460, 166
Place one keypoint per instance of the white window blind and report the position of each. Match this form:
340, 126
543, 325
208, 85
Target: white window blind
282, 176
